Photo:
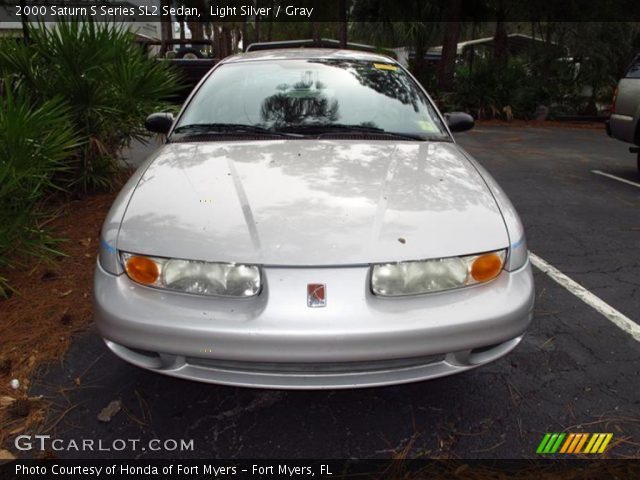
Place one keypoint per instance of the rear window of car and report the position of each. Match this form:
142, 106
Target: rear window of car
634, 69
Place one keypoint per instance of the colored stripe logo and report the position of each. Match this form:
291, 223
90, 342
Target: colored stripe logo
574, 443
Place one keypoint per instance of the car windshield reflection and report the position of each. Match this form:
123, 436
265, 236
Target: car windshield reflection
322, 93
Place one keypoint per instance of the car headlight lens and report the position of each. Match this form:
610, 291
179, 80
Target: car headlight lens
428, 276
190, 276
142, 269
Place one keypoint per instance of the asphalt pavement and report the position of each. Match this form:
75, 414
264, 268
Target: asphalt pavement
575, 371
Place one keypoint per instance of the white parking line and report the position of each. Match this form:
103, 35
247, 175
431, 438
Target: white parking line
624, 180
614, 316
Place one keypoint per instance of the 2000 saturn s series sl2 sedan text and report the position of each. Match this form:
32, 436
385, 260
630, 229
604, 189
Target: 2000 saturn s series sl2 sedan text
311, 223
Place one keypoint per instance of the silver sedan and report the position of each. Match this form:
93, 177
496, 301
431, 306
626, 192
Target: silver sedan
311, 223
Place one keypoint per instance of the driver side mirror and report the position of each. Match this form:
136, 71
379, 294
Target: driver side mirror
159, 122
459, 121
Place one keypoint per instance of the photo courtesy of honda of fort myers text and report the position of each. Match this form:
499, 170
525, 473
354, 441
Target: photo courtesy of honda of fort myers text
263, 469
319, 239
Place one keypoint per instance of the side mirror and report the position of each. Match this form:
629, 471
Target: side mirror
459, 121
159, 122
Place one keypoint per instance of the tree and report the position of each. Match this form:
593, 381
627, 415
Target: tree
166, 32
180, 19
500, 37
195, 24
343, 23
24, 20
447, 63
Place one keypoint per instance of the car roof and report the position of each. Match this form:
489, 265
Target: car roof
308, 53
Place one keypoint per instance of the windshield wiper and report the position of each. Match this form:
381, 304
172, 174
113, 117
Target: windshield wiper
222, 128
332, 128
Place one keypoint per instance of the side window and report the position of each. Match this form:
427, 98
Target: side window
634, 69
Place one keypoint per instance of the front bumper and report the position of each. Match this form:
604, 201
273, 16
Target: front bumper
275, 341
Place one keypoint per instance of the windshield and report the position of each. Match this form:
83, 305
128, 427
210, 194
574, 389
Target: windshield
303, 95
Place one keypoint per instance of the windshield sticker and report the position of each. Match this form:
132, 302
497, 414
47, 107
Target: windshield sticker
427, 126
385, 66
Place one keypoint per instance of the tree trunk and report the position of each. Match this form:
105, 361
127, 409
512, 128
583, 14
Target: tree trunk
447, 64
315, 32
195, 26
25, 23
343, 23
270, 27
500, 38
244, 34
219, 40
235, 39
226, 42
181, 23
419, 64
166, 29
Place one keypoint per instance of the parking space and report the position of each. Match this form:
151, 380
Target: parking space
576, 370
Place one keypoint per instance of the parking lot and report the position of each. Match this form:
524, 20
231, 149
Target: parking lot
577, 370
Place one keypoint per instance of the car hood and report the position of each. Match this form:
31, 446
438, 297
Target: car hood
303, 202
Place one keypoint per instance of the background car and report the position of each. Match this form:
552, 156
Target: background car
192, 59
624, 123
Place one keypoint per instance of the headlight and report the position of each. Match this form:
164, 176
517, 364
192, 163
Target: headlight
427, 276
202, 278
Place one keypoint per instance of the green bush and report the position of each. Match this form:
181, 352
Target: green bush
488, 91
35, 144
106, 80
485, 90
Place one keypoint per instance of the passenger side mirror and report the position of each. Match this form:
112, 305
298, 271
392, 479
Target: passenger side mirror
159, 122
459, 121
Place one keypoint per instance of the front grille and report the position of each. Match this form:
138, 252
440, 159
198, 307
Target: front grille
315, 368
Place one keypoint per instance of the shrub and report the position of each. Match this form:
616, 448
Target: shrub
35, 144
105, 78
486, 90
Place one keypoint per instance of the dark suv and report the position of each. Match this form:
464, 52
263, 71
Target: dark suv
191, 58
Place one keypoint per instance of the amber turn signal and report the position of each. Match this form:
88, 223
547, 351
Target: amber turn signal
142, 270
486, 267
